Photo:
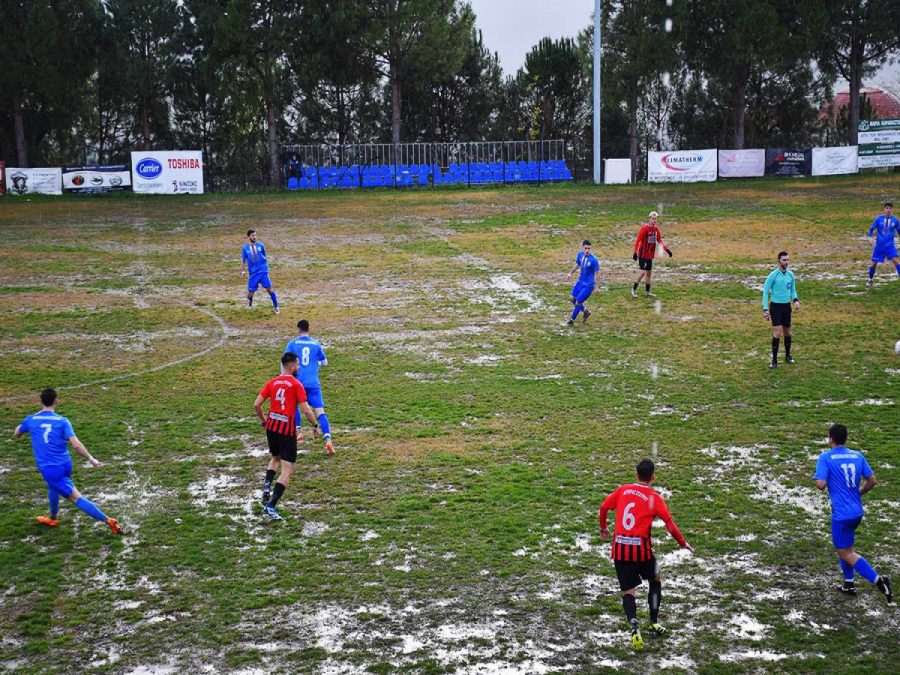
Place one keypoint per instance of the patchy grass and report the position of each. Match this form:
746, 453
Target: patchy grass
455, 529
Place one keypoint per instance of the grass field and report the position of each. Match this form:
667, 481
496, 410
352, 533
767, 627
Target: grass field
455, 530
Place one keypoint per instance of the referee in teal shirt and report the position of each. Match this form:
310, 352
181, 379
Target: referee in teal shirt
781, 287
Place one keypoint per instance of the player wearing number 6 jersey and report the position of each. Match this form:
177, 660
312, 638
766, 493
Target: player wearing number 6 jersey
286, 394
842, 471
311, 356
636, 505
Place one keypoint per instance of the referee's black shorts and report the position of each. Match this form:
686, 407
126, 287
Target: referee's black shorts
282, 445
780, 312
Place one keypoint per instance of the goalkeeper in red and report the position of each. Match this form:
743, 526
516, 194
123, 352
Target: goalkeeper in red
636, 505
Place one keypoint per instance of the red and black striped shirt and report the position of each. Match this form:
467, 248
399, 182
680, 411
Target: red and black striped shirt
286, 393
636, 506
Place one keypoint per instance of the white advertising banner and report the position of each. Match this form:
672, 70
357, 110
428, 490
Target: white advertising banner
682, 166
96, 178
34, 181
833, 161
618, 171
879, 143
168, 173
742, 163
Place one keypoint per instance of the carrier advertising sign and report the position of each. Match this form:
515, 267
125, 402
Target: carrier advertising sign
788, 161
34, 181
833, 161
168, 173
681, 166
879, 143
81, 179
742, 163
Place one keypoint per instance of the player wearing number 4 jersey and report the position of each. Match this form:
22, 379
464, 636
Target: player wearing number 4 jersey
842, 471
286, 395
636, 506
311, 356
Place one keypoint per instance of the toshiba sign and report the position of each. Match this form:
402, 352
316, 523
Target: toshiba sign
169, 173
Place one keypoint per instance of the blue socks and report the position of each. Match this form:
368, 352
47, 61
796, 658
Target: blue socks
53, 498
865, 570
90, 508
324, 425
578, 309
847, 570
872, 272
274, 299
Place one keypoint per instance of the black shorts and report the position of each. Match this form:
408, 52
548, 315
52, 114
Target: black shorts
282, 445
630, 573
645, 264
780, 312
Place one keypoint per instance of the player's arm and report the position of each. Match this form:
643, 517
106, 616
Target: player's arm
767, 289
322, 359
257, 406
243, 262
868, 484
796, 299
310, 415
78, 446
18, 431
639, 242
872, 228
665, 247
609, 504
663, 512
821, 475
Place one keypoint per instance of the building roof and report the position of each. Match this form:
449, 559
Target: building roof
885, 104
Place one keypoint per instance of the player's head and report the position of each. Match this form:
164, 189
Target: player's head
251, 235
654, 216
646, 470
586, 245
783, 258
290, 363
888, 207
303, 326
48, 397
837, 434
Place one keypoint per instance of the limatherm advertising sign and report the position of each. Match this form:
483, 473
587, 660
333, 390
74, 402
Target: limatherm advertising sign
879, 143
167, 173
682, 166
88, 179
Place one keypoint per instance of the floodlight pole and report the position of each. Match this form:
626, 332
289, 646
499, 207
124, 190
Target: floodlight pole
597, 164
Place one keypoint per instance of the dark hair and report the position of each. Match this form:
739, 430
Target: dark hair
288, 357
586, 242
645, 469
303, 325
838, 433
249, 232
781, 253
48, 396
887, 204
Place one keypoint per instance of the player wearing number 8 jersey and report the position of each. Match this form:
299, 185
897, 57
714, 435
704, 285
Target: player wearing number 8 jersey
636, 506
842, 471
286, 395
311, 356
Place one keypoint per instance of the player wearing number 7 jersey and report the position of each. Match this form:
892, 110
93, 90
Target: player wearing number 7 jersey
842, 470
636, 506
286, 395
311, 356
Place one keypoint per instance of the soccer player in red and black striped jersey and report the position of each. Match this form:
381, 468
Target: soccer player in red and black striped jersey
644, 250
286, 394
636, 505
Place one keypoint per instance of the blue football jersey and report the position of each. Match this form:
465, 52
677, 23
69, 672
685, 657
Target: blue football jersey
884, 229
311, 356
589, 265
255, 257
843, 469
50, 434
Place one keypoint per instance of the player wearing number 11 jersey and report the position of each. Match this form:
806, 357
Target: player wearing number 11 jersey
285, 394
842, 471
636, 506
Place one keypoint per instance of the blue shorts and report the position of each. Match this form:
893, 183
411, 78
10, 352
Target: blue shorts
843, 532
582, 292
884, 251
256, 280
314, 397
59, 477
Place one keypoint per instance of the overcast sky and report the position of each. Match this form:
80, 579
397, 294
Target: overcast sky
512, 27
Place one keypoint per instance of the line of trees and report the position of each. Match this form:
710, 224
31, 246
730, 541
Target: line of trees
91, 80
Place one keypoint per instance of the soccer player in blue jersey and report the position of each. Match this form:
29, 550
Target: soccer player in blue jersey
782, 287
885, 227
253, 257
311, 356
588, 265
50, 433
842, 471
